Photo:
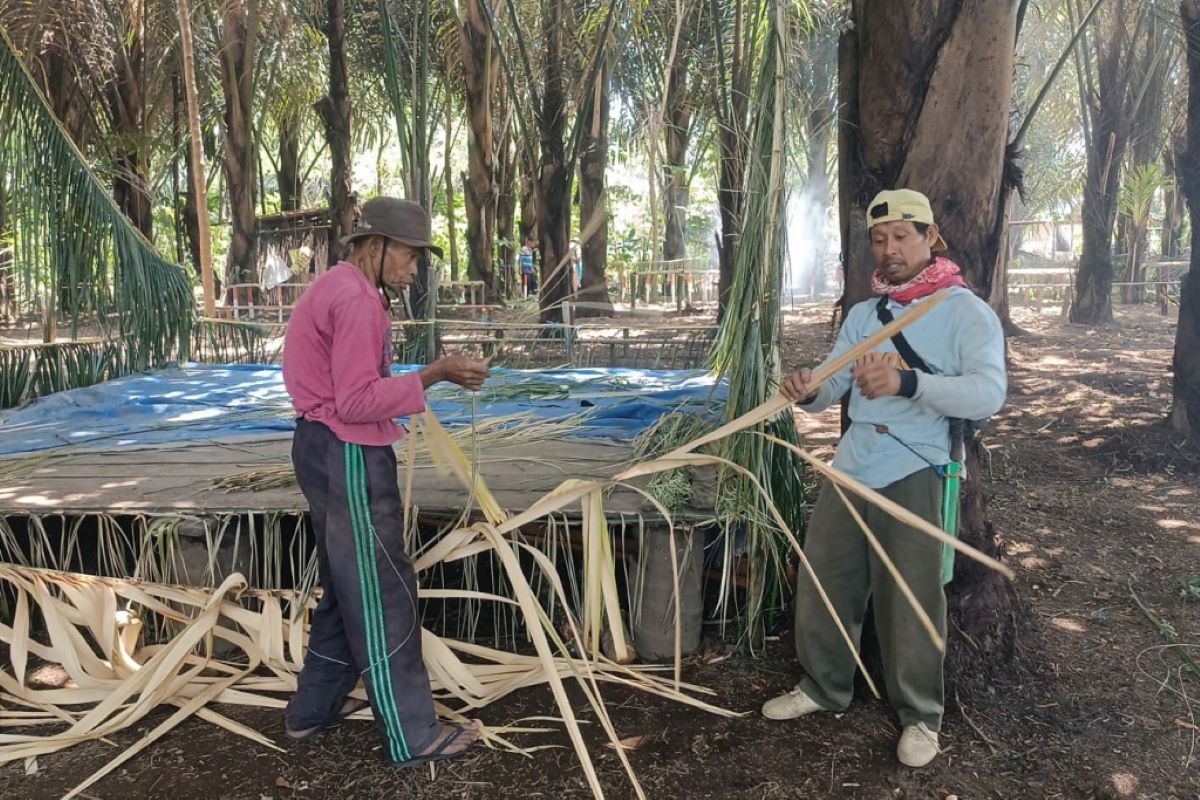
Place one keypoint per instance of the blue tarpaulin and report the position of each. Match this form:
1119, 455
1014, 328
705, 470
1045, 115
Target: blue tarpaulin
198, 402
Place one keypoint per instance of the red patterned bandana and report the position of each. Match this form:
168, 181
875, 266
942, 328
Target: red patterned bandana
941, 273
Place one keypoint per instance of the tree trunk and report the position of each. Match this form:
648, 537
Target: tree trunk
908, 73
176, 146
191, 212
1145, 147
8, 287
238, 44
527, 164
448, 176
1174, 204
675, 170
506, 199
480, 71
195, 211
335, 112
733, 141
1185, 411
1092, 304
126, 106
553, 183
288, 175
593, 202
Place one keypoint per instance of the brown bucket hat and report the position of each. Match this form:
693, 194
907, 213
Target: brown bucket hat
401, 220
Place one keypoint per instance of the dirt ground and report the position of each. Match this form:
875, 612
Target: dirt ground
1094, 501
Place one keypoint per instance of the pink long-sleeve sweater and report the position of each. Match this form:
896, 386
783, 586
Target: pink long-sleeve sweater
337, 357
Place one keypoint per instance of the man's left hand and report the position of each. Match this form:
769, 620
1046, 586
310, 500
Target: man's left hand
876, 379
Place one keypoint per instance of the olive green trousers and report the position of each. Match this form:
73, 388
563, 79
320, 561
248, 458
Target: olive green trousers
851, 573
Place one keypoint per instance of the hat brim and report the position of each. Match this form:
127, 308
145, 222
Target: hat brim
430, 246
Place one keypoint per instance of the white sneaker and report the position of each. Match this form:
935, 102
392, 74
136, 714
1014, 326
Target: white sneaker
791, 705
918, 745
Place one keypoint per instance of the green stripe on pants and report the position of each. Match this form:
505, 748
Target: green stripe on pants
377, 647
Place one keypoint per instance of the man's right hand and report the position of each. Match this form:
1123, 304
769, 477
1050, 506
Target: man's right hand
796, 388
469, 373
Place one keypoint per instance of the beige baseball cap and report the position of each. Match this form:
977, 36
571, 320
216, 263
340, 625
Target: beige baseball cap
898, 205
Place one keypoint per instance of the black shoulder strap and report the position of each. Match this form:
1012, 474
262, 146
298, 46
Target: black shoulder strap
902, 346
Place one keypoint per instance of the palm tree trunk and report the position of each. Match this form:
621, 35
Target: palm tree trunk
480, 73
1092, 304
552, 187
195, 209
239, 32
506, 198
593, 202
288, 175
126, 102
733, 141
8, 288
677, 134
1174, 203
1185, 410
335, 112
907, 76
448, 177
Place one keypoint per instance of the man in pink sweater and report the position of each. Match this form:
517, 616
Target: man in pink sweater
337, 360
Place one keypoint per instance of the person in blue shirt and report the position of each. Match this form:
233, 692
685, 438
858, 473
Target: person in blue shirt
529, 281
898, 443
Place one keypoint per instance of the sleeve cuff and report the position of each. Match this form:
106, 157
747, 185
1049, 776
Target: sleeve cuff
908, 383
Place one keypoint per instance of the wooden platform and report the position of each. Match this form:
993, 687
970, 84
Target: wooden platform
181, 479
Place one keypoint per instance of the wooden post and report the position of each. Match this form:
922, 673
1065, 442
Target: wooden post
198, 188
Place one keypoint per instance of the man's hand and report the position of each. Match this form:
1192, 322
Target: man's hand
796, 388
876, 379
469, 373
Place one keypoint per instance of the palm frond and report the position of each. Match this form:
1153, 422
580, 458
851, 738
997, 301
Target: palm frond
78, 267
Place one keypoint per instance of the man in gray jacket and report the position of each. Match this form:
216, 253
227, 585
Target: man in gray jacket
899, 444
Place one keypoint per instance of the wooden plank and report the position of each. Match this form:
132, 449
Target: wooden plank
181, 478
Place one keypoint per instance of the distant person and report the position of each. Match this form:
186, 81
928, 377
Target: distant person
529, 283
949, 364
576, 258
337, 358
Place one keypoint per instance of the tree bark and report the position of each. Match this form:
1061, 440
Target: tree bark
909, 73
506, 198
335, 112
552, 187
8, 287
448, 176
1185, 410
1174, 204
733, 141
1145, 148
1092, 304
593, 202
127, 109
677, 132
480, 72
288, 175
238, 44
195, 210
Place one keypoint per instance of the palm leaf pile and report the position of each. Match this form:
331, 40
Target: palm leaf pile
94, 298
93, 625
